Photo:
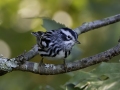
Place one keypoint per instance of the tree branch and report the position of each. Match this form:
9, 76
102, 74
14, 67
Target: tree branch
7, 65
97, 24
51, 69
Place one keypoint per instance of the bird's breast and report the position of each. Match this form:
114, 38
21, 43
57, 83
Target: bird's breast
59, 56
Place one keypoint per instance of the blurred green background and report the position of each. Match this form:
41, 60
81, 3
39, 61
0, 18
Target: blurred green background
16, 26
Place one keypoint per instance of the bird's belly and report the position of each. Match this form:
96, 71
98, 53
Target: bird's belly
59, 56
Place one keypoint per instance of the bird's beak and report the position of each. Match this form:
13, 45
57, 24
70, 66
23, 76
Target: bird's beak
77, 42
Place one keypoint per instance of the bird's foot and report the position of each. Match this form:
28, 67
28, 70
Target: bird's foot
65, 66
41, 62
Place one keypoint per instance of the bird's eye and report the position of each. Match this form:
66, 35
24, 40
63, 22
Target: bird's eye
69, 37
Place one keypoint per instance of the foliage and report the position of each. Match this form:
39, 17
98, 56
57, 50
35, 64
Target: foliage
104, 77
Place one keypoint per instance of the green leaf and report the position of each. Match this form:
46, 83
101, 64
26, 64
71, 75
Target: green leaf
75, 53
107, 68
49, 24
105, 77
71, 87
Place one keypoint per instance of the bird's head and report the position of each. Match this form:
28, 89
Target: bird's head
69, 37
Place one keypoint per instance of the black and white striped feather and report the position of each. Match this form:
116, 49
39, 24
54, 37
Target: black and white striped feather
56, 44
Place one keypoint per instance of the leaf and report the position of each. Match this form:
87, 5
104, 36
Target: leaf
75, 53
49, 24
71, 87
107, 68
105, 77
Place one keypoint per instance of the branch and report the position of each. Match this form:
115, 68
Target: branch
51, 69
27, 56
7, 65
97, 24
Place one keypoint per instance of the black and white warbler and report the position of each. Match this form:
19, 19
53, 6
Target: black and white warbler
56, 44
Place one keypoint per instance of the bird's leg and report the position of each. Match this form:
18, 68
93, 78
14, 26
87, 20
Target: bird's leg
41, 62
65, 66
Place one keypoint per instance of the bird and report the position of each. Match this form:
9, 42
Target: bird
56, 44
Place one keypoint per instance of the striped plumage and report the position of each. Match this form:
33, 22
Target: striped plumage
56, 44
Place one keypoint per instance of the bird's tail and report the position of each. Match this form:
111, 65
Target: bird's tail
37, 34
